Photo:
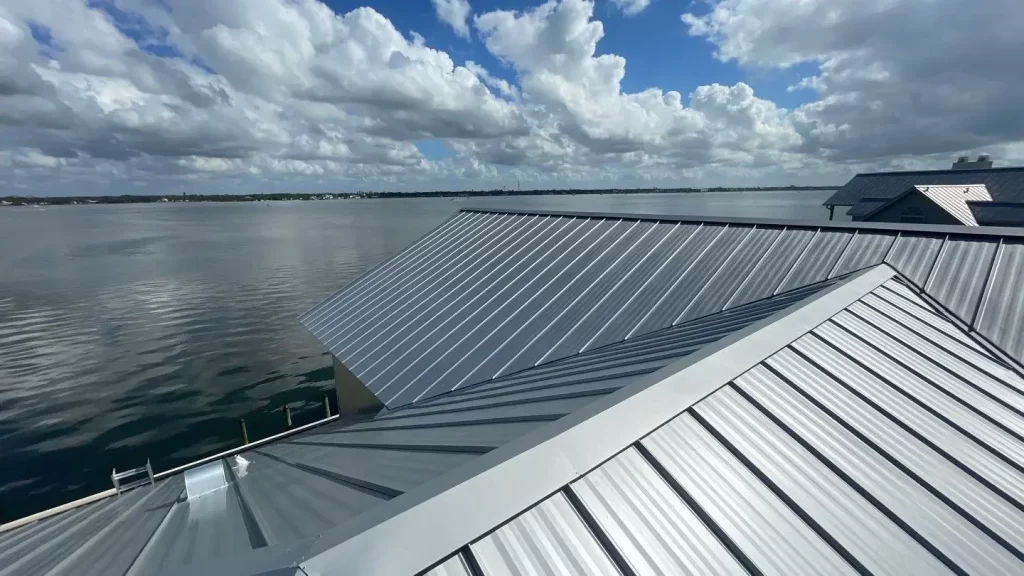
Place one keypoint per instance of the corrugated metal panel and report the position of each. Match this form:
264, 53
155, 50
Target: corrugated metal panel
998, 213
818, 259
920, 462
897, 294
775, 539
478, 438
953, 199
875, 541
866, 206
953, 404
1001, 316
551, 538
900, 409
914, 255
956, 537
913, 318
690, 285
959, 275
980, 371
769, 273
866, 249
951, 382
655, 531
454, 566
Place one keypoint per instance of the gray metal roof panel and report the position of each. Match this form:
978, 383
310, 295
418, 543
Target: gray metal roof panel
879, 544
866, 206
773, 267
649, 522
454, 566
954, 199
775, 539
880, 479
914, 256
960, 274
900, 296
1001, 313
1005, 184
551, 538
818, 259
865, 249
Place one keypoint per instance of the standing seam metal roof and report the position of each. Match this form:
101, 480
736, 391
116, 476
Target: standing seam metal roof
1005, 184
876, 439
493, 293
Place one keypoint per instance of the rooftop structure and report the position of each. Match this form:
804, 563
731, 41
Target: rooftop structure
948, 203
600, 393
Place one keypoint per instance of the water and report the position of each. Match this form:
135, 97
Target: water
142, 331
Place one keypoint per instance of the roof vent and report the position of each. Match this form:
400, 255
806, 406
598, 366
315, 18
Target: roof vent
963, 159
205, 479
964, 163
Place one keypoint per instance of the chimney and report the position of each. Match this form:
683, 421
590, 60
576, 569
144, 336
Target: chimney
964, 163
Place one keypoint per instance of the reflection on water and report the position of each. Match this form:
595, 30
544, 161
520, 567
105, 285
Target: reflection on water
146, 331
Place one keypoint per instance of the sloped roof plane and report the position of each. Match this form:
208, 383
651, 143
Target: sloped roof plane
1005, 184
869, 431
954, 200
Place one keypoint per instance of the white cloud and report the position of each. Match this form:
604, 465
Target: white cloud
253, 95
632, 7
454, 13
896, 78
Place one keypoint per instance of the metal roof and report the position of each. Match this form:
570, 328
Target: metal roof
861, 432
492, 293
1005, 184
998, 213
951, 199
866, 206
282, 495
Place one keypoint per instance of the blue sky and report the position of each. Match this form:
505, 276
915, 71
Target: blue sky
243, 95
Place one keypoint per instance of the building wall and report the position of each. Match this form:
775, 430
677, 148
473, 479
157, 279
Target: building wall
932, 213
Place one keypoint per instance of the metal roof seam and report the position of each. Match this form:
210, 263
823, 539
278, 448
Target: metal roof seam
372, 488
640, 290
651, 253
582, 293
838, 379
697, 509
509, 316
781, 494
956, 374
839, 472
846, 250
676, 282
796, 262
1019, 466
600, 535
721, 268
993, 269
743, 284
984, 231
904, 468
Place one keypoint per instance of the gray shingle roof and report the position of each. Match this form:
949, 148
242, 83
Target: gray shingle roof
1005, 184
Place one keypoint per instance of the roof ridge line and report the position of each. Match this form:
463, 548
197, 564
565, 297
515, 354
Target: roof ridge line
992, 231
532, 467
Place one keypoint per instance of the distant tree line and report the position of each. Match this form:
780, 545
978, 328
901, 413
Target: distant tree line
284, 196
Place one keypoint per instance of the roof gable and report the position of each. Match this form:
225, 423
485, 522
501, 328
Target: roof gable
1004, 184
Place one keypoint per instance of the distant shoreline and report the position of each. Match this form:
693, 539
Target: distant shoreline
6, 201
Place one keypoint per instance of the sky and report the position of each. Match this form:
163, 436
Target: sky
247, 96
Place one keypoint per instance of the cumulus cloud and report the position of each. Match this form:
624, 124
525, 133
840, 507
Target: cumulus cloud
454, 13
894, 78
632, 7
234, 95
